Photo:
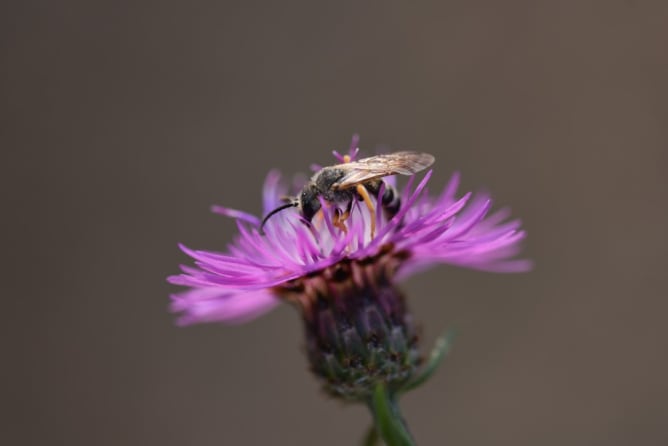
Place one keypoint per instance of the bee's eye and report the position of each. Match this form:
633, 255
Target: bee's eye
310, 204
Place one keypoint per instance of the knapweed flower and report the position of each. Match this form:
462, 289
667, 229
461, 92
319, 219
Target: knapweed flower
344, 278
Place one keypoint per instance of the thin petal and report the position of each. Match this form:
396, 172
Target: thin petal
216, 305
233, 213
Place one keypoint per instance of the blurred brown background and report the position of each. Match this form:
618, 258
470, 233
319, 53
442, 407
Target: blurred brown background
123, 121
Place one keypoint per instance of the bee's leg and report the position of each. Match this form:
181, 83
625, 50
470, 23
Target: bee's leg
390, 201
340, 218
320, 216
362, 192
349, 208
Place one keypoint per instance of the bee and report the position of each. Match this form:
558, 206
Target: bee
344, 183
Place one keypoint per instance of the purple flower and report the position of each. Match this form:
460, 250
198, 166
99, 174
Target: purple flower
245, 281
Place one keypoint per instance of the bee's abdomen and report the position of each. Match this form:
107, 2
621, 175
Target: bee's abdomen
391, 201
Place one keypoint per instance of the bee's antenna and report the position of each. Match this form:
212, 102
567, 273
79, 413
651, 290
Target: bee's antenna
291, 204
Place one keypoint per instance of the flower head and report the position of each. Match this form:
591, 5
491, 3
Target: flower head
337, 257
247, 280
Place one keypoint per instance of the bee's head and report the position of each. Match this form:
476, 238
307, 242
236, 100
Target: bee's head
309, 202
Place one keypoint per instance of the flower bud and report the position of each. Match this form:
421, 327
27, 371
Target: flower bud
358, 330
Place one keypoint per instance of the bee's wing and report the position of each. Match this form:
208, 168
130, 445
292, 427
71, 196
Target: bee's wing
403, 163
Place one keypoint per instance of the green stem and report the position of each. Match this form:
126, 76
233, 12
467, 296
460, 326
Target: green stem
389, 422
371, 437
